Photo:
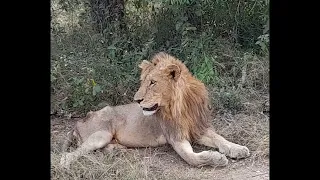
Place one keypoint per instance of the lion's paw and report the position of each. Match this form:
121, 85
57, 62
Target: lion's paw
218, 158
214, 158
235, 151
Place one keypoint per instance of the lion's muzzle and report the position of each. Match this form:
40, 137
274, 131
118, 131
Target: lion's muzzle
153, 108
150, 111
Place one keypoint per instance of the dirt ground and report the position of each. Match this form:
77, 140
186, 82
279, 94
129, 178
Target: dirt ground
145, 163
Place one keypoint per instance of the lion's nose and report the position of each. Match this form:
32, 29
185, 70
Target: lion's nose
139, 100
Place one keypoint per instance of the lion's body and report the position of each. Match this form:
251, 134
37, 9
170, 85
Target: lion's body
128, 125
172, 108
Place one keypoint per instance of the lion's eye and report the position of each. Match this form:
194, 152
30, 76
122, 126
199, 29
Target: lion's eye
152, 82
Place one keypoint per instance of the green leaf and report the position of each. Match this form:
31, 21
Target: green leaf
198, 12
78, 81
75, 104
81, 103
86, 90
112, 54
96, 89
178, 26
111, 47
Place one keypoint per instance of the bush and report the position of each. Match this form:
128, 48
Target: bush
94, 59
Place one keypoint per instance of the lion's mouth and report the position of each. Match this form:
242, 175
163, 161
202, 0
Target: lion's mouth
153, 108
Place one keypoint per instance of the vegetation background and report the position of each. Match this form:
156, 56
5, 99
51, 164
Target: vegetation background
96, 46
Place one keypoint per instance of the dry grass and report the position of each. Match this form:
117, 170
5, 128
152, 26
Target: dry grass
249, 130
249, 127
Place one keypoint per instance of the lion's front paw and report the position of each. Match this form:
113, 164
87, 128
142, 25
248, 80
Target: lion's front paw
235, 151
66, 160
218, 158
213, 158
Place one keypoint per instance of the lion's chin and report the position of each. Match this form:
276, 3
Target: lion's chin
149, 113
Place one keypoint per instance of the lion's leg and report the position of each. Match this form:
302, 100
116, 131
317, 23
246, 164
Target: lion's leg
213, 158
212, 139
95, 141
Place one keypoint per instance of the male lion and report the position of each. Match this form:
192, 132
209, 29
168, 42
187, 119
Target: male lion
172, 107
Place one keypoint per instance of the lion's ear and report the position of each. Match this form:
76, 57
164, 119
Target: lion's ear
144, 64
173, 71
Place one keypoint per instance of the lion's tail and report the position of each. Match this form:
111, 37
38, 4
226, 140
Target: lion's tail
68, 141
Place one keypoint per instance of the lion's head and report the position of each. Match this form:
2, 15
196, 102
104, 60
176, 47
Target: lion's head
169, 89
158, 78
